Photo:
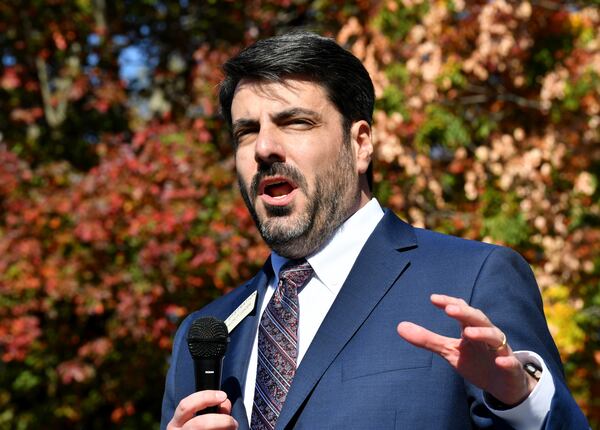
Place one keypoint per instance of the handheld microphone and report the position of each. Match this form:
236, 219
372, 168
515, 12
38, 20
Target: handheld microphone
207, 340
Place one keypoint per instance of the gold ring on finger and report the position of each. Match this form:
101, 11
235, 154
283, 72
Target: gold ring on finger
502, 345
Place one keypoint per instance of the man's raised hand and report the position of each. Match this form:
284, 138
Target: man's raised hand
482, 355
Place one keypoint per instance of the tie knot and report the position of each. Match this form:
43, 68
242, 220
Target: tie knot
296, 272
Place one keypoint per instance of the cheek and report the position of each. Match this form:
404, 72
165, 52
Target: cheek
245, 166
323, 161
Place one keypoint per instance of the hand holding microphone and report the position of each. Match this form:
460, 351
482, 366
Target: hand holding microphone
207, 340
208, 407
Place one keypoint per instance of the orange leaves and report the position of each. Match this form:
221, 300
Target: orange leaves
516, 84
28, 116
486, 126
208, 253
59, 40
10, 79
96, 350
16, 335
121, 412
104, 261
92, 231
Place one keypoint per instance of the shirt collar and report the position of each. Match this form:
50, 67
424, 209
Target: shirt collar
333, 262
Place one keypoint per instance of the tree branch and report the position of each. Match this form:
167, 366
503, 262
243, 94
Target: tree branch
55, 116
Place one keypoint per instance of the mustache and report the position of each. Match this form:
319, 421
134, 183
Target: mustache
277, 169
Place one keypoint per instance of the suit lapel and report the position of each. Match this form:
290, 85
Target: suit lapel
235, 365
381, 261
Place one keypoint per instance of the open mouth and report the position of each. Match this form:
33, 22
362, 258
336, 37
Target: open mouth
276, 189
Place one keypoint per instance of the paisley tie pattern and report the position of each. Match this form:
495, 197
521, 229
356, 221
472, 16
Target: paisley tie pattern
278, 345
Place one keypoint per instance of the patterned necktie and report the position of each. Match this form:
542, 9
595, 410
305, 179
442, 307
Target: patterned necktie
278, 345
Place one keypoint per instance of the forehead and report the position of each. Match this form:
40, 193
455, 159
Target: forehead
252, 97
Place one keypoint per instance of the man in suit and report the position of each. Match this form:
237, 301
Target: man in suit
317, 344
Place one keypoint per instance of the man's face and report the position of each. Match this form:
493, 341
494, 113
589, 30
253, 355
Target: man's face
295, 165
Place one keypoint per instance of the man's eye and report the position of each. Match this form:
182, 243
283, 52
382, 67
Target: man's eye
240, 134
301, 122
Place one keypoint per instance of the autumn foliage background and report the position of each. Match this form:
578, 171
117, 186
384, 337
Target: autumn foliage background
119, 212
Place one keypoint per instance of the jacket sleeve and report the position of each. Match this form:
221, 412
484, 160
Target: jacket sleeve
169, 397
506, 291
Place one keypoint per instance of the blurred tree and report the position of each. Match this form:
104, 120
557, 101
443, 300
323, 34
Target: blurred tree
69, 65
488, 128
118, 209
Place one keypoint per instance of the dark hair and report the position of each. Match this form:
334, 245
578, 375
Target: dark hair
310, 56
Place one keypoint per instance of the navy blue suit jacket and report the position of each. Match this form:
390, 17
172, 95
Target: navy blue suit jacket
358, 373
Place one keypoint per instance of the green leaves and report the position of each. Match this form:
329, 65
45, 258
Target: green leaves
118, 205
441, 127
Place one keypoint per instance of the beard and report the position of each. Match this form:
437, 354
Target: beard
296, 235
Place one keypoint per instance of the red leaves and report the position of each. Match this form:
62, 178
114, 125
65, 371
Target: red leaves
27, 116
110, 242
16, 335
10, 79
91, 231
59, 40
95, 268
96, 350
74, 371
120, 412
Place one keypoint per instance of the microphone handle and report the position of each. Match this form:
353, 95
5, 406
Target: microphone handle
207, 372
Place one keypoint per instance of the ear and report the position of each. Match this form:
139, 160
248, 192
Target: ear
362, 144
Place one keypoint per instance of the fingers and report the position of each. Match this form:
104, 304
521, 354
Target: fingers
185, 414
195, 402
491, 336
423, 338
482, 354
476, 325
461, 311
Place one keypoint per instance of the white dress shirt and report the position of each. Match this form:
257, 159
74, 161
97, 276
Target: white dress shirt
331, 266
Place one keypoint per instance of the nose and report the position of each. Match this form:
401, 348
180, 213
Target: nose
268, 148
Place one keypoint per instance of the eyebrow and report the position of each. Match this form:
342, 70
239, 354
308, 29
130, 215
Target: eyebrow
243, 123
294, 112
278, 117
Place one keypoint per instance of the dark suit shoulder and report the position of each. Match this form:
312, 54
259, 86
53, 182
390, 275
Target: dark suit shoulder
476, 253
401, 235
222, 306
446, 242
456, 249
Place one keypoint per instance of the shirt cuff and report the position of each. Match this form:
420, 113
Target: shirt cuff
530, 414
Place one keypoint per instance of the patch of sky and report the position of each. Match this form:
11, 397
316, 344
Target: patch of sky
136, 65
120, 40
94, 39
8, 60
93, 59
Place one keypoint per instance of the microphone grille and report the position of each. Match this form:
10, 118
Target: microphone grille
207, 338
